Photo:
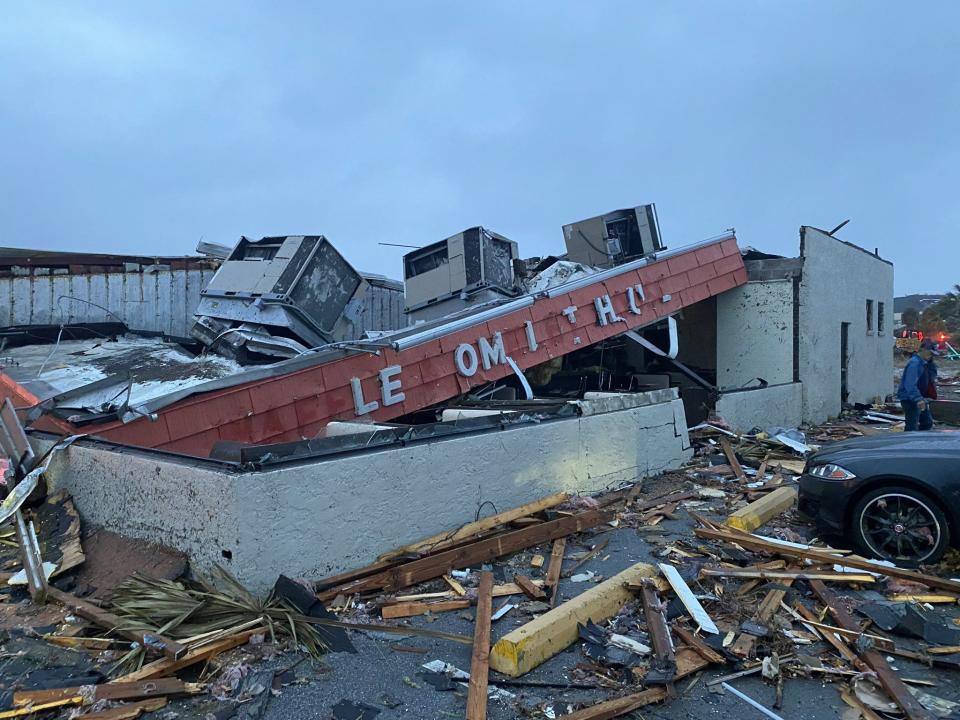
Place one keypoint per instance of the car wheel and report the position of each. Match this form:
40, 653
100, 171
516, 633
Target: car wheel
901, 525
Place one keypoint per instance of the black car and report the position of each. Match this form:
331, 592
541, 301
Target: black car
895, 496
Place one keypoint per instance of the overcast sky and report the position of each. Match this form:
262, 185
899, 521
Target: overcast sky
144, 127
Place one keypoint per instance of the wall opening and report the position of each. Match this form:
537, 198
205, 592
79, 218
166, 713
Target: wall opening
845, 359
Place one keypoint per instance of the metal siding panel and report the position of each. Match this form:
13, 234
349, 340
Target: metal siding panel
179, 282
21, 301
114, 294
97, 293
60, 287
161, 316
133, 299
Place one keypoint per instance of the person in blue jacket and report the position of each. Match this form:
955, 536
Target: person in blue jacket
914, 385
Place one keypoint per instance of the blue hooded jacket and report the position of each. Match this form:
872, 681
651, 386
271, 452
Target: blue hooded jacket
914, 381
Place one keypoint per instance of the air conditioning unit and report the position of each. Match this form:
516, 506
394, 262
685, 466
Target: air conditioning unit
279, 296
469, 268
615, 237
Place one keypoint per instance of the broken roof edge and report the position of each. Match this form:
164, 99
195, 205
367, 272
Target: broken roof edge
874, 255
431, 333
401, 339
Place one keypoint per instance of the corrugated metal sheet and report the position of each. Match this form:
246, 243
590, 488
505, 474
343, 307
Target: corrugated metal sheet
382, 307
156, 299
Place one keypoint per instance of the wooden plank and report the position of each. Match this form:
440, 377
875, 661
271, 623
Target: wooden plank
540, 639
166, 666
433, 566
109, 621
596, 550
536, 561
529, 589
746, 643
732, 458
446, 539
752, 542
841, 647
480, 658
620, 706
664, 500
786, 575
457, 587
890, 681
553, 570
761, 511
944, 650
663, 664
128, 711
411, 609
885, 644
109, 691
704, 650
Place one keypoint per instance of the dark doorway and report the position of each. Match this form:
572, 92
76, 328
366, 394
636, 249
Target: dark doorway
844, 361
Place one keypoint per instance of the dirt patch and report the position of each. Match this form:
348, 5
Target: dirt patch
110, 559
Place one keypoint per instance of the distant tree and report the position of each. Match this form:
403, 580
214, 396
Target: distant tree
910, 319
931, 322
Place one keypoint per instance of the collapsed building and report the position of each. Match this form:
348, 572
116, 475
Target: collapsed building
302, 403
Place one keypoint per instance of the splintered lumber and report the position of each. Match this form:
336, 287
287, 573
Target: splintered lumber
664, 500
596, 550
663, 664
745, 644
433, 566
752, 542
529, 589
841, 647
532, 644
536, 561
166, 666
732, 458
924, 598
110, 691
446, 539
411, 609
702, 649
944, 650
883, 643
109, 621
480, 659
787, 575
553, 570
890, 681
128, 711
620, 706
761, 511
688, 599
455, 586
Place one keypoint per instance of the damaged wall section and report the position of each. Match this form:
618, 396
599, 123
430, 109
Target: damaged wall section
755, 334
773, 406
838, 280
320, 517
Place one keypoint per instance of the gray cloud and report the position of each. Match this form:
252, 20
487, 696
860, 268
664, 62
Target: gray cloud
129, 127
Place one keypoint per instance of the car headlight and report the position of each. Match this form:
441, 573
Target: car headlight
832, 472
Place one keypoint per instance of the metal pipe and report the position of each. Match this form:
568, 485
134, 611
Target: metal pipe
750, 701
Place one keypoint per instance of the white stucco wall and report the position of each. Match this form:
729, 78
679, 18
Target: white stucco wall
837, 280
775, 406
755, 334
322, 517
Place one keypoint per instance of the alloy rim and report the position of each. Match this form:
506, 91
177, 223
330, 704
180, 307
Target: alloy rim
897, 527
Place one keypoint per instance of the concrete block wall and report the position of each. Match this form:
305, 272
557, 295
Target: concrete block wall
774, 406
837, 280
316, 518
755, 334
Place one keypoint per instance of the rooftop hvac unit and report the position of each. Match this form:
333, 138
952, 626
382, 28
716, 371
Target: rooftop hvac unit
615, 237
279, 296
469, 268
